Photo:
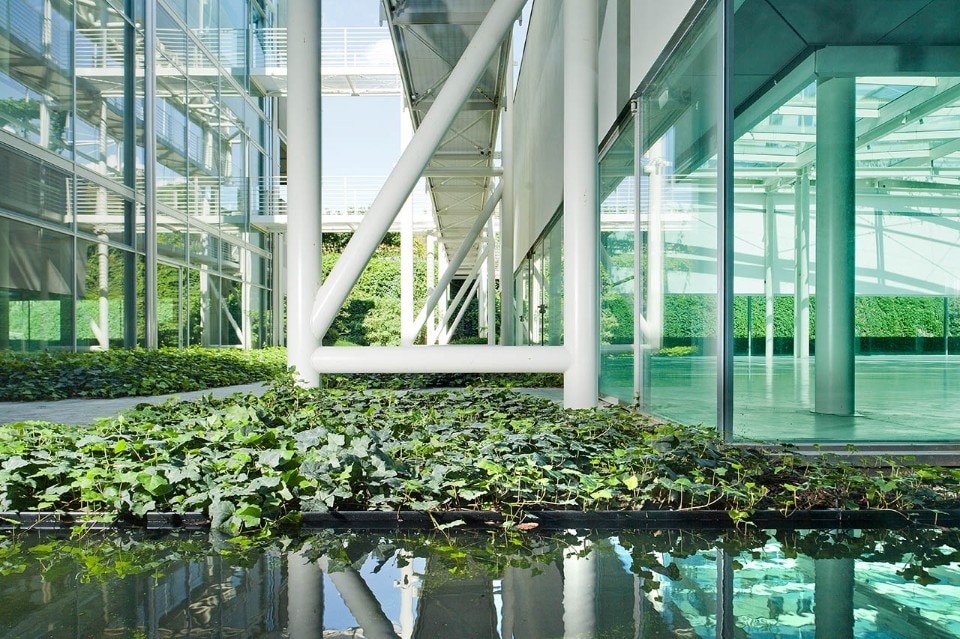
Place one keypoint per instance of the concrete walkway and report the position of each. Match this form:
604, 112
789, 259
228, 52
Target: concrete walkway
86, 411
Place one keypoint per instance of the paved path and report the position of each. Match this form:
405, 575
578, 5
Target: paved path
85, 411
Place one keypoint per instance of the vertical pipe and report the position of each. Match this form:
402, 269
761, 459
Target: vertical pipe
458, 86
407, 335
304, 228
150, 176
507, 220
725, 220
580, 206
491, 284
801, 293
431, 283
103, 281
769, 255
443, 267
129, 178
836, 153
640, 367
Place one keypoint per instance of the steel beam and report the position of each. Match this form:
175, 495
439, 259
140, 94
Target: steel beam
459, 358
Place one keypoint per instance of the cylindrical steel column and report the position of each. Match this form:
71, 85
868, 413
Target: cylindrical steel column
150, 176
407, 336
581, 225
769, 257
836, 152
801, 294
507, 311
303, 186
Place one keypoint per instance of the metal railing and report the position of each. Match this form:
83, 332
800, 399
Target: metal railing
357, 48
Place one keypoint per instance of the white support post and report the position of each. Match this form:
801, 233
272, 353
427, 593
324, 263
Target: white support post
150, 176
801, 294
407, 335
491, 284
457, 260
103, 267
467, 286
507, 311
580, 207
431, 284
655, 249
769, 255
448, 333
836, 154
381, 214
304, 231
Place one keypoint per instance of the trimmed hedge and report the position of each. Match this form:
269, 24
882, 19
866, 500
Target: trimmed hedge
126, 373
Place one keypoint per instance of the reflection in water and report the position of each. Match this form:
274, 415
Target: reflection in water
576, 585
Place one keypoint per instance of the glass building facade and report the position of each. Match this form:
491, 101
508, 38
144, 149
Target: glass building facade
138, 146
778, 225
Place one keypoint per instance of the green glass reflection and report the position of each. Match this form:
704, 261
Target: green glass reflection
617, 279
678, 222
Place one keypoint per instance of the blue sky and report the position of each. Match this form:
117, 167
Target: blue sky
361, 135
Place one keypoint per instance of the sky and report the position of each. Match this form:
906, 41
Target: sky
361, 135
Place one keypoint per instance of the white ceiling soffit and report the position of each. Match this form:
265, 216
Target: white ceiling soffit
429, 37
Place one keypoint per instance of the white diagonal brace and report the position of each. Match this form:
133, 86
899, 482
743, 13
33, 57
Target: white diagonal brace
445, 338
463, 289
458, 258
381, 214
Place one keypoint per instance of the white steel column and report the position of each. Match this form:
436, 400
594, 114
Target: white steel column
457, 88
447, 333
464, 288
580, 211
431, 284
443, 265
769, 255
491, 299
655, 263
360, 600
304, 230
836, 152
507, 310
448, 271
103, 271
150, 176
407, 335
801, 293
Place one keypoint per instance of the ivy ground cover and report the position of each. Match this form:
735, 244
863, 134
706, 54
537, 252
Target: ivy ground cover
258, 462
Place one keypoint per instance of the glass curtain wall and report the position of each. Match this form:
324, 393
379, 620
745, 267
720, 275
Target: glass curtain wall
847, 175
539, 289
678, 218
73, 150
618, 189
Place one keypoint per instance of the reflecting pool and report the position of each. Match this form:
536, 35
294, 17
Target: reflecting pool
480, 584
